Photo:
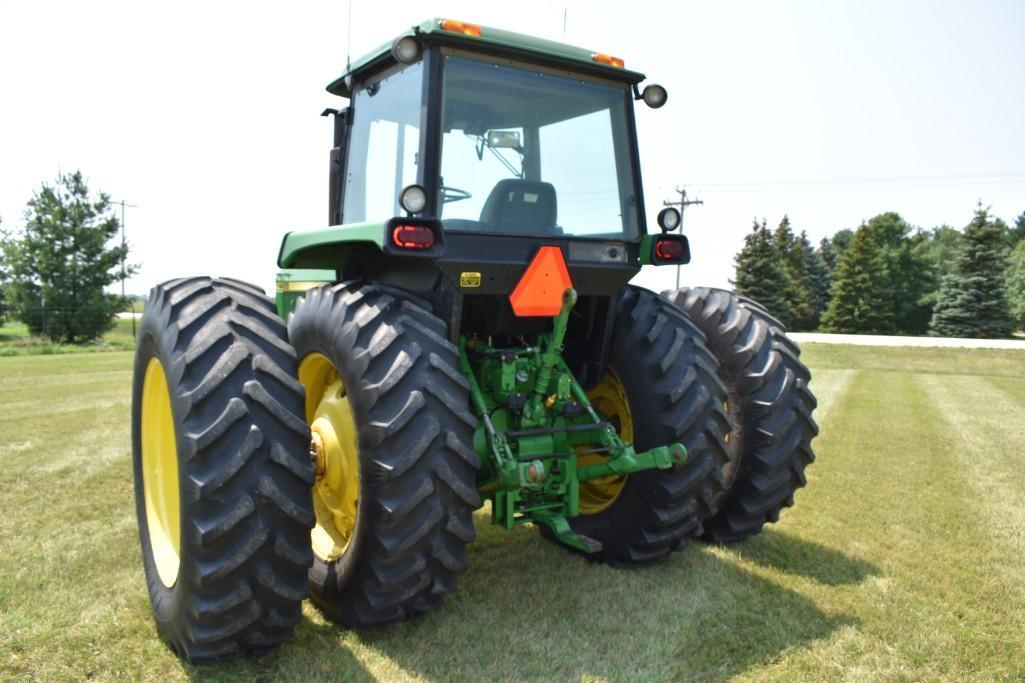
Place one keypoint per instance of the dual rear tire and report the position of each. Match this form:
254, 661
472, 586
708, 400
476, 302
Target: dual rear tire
770, 406
716, 372
223, 402
661, 388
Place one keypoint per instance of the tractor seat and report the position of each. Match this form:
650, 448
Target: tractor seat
520, 207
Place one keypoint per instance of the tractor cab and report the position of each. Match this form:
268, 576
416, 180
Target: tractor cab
464, 150
522, 150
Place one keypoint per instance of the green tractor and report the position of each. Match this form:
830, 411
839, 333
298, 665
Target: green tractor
463, 332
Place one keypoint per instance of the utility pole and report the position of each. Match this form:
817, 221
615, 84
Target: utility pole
683, 204
124, 255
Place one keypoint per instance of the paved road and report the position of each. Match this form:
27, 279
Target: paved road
881, 340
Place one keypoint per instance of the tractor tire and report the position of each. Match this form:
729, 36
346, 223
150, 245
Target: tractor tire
673, 393
395, 500
222, 475
770, 408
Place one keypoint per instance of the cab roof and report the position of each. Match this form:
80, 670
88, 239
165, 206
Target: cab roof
490, 40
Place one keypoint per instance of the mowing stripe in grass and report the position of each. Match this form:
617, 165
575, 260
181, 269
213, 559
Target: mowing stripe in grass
989, 428
1015, 387
829, 386
890, 493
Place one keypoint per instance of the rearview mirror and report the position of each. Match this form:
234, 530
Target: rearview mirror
509, 139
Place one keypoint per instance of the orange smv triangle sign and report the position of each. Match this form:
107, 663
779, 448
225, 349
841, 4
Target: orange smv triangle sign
539, 291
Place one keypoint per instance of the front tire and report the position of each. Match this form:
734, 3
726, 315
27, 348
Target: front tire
384, 387
770, 404
221, 474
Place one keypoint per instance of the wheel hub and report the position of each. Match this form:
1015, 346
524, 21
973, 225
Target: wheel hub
609, 399
317, 455
335, 454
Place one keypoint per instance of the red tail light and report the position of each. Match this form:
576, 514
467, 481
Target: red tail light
412, 237
668, 250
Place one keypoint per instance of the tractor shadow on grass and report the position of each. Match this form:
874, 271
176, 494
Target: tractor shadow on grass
527, 609
792, 555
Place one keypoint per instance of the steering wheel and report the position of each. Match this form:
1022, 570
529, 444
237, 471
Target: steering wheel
453, 194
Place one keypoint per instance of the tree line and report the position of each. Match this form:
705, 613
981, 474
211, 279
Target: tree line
888, 277
54, 271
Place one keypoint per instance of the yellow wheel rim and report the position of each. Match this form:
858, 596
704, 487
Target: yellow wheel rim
160, 474
336, 454
609, 399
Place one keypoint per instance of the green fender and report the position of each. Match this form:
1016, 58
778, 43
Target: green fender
328, 247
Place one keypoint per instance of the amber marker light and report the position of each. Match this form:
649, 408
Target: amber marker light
608, 60
466, 29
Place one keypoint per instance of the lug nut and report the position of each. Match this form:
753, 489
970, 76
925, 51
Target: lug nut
317, 454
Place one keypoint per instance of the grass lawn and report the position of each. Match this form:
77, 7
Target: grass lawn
904, 558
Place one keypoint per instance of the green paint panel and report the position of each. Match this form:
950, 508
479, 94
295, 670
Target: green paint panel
293, 283
308, 246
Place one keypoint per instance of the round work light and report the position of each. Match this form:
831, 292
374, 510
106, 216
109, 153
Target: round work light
668, 219
413, 198
654, 96
405, 50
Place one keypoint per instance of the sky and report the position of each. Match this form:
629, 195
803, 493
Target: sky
205, 115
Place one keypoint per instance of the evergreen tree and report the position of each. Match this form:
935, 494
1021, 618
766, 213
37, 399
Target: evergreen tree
801, 264
972, 301
911, 278
827, 254
941, 247
839, 243
760, 273
807, 277
60, 263
783, 236
914, 283
784, 242
861, 299
1015, 281
820, 280
1018, 231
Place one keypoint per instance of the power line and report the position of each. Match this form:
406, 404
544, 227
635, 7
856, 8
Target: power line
997, 177
879, 187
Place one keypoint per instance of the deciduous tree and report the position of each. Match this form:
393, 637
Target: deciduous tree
1015, 280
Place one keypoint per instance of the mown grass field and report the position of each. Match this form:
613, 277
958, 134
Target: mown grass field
904, 558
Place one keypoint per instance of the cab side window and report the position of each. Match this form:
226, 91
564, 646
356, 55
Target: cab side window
384, 145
